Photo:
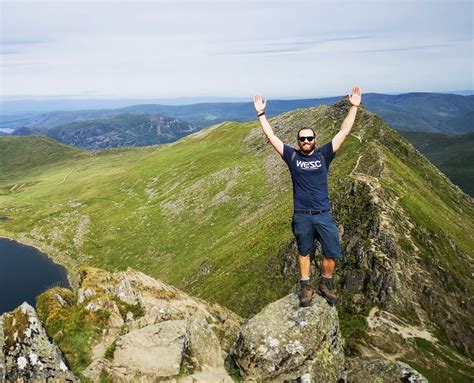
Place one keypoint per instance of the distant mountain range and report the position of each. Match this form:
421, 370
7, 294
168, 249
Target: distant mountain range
22, 106
54, 104
442, 115
126, 129
149, 124
435, 112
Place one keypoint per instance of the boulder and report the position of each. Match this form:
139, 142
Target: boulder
285, 342
154, 351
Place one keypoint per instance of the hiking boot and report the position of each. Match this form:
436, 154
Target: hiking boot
306, 294
327, 291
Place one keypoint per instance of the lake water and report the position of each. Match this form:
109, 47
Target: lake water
25, 272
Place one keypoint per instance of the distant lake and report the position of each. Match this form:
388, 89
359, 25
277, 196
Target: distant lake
25, 272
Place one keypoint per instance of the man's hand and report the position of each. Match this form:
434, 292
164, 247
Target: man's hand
266, 127
259, 103
346, 126
355, 97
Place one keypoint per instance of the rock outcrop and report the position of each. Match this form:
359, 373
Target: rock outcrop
26, 354
285, 342
362, 370
127, 326
152, 331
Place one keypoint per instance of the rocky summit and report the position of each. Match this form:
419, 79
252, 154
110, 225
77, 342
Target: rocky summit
285, 342
118, 327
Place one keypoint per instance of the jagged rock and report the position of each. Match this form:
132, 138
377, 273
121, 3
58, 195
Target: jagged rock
285, 342
126, 293
26, 354
360, 370
155, 331
115, 319
199, 335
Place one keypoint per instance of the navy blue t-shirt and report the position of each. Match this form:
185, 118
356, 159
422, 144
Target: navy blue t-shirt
309, 175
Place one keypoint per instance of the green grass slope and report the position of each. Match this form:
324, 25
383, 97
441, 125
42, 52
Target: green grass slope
453, 155
20, 154
211, 215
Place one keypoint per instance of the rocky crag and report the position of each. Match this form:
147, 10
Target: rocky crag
127, 326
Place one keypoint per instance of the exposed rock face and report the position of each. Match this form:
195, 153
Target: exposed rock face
26, 354
361, 370
285, 342
154, 331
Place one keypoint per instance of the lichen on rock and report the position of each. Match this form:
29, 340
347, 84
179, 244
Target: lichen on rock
26, 353
285, 342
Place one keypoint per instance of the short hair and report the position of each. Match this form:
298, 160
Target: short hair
298, 134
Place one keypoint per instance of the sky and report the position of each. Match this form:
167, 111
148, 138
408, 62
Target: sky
299, 49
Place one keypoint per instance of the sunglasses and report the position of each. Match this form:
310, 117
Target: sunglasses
310, 138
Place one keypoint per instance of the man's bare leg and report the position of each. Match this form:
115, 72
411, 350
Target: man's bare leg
305, 266
328, 266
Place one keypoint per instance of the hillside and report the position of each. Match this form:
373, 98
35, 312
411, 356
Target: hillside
211, 213
423, 111
453, 155
23, 154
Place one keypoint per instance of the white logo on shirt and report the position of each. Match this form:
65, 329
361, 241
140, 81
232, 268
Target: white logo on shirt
308, 164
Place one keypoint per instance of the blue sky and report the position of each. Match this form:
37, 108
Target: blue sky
153, 49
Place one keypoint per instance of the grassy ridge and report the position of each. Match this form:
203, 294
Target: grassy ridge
209, 214
21, 154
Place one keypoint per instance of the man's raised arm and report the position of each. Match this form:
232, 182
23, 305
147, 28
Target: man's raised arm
266, 127
346, 126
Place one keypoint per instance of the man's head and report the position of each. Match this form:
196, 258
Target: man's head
306, 140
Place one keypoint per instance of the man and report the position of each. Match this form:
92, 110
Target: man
312, 218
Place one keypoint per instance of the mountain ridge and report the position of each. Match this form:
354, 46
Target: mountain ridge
399, 217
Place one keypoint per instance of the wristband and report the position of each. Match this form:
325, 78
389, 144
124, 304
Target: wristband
261, 113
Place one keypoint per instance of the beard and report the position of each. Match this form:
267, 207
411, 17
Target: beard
307, 148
